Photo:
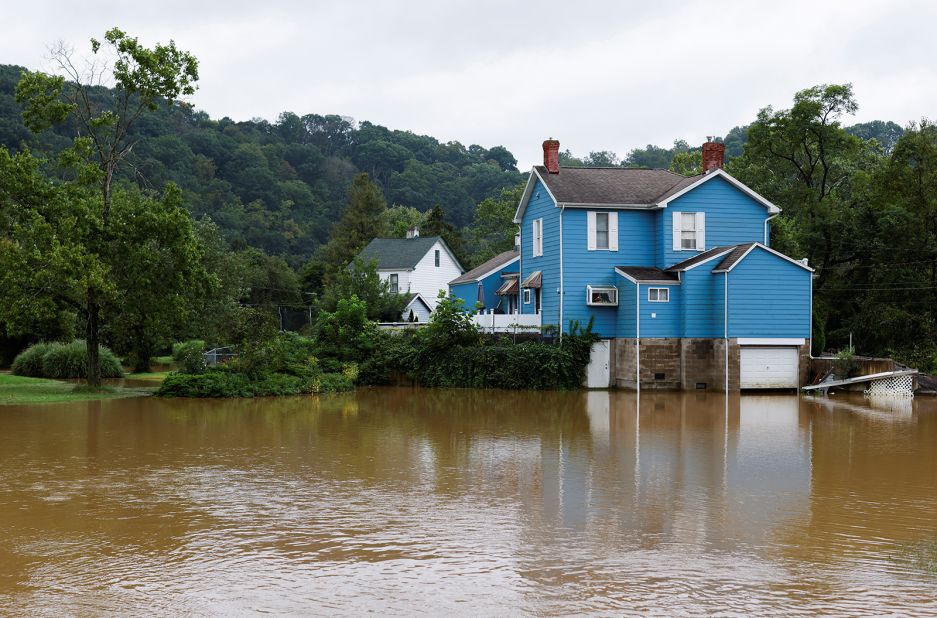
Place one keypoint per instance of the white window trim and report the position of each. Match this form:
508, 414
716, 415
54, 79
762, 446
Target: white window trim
394, 280
526, 296
537, 248
592, 231
437, 260
699, 228
659, 290
591, 288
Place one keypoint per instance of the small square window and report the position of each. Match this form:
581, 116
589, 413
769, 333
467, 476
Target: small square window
658, 295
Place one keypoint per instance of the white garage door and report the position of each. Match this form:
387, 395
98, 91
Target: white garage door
769, 367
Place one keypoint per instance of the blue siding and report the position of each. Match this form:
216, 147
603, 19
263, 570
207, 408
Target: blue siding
541, 205
626, 306
703, 301
732, 218
468, 292
667, 320
769, 297
582, 267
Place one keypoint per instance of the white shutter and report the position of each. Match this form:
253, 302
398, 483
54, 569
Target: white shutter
533, 238
613, 231
676, 231
701, 231
590, 230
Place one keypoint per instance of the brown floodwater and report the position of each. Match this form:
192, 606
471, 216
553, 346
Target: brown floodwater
402, 501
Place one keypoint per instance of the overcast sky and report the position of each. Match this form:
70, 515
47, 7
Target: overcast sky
595, 75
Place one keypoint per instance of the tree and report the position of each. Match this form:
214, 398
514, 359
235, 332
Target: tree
688, 162
155, 263
493, 229
143, 79
398, 219
362, 281
436, 225
362, 221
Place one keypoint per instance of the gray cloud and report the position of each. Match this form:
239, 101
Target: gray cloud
596, 75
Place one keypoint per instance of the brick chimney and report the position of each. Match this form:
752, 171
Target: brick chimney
551, 155
713, 156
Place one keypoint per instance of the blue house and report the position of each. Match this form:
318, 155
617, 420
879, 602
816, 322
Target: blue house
494, 284
677, 274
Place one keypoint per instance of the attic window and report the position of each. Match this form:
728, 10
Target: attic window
602, 295
437, 258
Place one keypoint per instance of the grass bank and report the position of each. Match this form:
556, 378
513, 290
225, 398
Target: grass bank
18, 390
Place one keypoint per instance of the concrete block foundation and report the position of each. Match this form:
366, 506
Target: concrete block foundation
685, 364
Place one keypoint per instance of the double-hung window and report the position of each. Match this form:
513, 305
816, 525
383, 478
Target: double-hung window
602, 231
394, 283
537, 236
689, 231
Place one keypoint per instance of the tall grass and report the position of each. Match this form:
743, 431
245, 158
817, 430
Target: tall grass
63, 360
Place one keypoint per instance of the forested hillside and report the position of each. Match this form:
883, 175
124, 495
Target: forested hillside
280, 186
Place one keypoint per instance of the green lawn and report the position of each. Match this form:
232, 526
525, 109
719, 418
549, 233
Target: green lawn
19, 390
157, 376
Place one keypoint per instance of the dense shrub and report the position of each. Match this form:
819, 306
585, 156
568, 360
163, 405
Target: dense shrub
179, 349
225, 382
29, 361
503, 364
57, 360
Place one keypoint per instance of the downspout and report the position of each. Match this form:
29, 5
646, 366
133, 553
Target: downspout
810, 332
637, 337
562, 210
725, 331
766, 227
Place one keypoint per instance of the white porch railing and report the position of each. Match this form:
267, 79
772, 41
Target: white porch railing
507, 322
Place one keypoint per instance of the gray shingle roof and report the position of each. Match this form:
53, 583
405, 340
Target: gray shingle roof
398, 253
613, 185
648, 273
734, 256
486, 267
700, 257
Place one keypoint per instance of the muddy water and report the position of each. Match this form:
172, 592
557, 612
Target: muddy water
469, 503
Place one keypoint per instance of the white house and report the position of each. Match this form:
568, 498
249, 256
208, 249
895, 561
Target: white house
418, 266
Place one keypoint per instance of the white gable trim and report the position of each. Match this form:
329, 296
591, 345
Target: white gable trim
418, 297
531, 181
721, 173
769, 250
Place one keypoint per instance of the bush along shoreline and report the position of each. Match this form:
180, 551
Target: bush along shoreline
61, 361
348, 349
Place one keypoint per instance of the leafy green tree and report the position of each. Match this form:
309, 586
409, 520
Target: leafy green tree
493, 229
144, 78
688, 162
398, 219
362, 281
361, 222
155, 264
436, 225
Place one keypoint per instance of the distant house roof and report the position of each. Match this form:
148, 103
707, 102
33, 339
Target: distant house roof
647, 274
402, 253
483, 270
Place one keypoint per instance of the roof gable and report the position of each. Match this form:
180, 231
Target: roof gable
740, 252
696, 181
402, 253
